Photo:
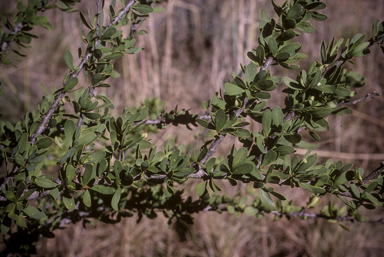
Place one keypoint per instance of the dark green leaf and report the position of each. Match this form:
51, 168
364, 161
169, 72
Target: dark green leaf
243, 169
91, 115
70, 84
84, 20
44, 143
286, 35
220, 120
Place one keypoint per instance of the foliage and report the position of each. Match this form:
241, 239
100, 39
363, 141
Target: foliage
107, 168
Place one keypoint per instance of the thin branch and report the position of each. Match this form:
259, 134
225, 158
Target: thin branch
52, 109
5, 45
212, 148
372, 95
374, 173
267, 63
315, 216
98, 18
337, 63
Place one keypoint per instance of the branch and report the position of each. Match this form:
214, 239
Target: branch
374, 173
52, 109
5, 45
372, 95
302, 213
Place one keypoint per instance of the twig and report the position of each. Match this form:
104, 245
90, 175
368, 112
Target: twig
302, 213
267, 63
212, 148
5, 45
52, 109
374, 173
372, 95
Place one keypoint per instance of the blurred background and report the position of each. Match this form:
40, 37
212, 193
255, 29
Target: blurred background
191, 50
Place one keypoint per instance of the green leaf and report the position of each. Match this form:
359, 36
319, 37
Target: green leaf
242, 169
251, 211
88, 139
92, 116
305, 27
241, 133
19, 159
267, 201
209, 164
319, 113
240, 156
266, 121
264, 16
373, 199
116, 199
318, 16
294, 12
312, 189
10, 196
87, 198
42, 21
269, 157
200, 189
220, 120
355, 190
69, 202
103, 189
34, 213
114, 56
231, 89
281, 57
70, 84
277, 116
69, 131
55, 193
286, 35
109, 32
272, 44
284, 150
68, 59
45, 183
44, 143
293, 84
84, 20
145, 9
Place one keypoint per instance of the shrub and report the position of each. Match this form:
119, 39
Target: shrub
106, 167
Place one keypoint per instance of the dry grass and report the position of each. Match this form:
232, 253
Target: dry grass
192, 48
